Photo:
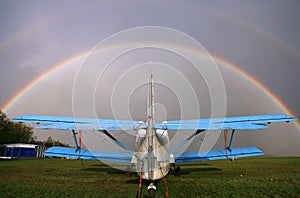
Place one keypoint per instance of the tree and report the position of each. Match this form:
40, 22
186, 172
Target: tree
50, 142
11, 132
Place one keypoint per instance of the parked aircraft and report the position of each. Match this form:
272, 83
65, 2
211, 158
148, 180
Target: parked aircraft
151, 158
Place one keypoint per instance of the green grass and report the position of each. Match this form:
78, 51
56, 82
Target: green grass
251, 177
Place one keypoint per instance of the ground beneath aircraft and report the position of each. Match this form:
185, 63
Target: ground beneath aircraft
252, 177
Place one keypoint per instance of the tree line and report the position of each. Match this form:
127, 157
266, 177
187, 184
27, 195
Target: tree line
13, 132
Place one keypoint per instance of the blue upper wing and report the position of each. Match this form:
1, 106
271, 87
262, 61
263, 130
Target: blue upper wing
70, 123
241, 123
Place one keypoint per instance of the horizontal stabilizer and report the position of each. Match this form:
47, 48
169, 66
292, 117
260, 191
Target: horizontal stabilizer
73, 153
218, 154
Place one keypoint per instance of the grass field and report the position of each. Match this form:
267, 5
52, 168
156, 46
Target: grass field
251, 177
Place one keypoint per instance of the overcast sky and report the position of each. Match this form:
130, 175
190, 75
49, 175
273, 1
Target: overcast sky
259, 37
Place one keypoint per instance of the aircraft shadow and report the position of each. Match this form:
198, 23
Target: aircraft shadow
107, 170
193, 165
187, 171
115, 169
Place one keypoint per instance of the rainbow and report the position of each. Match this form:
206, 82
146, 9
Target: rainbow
40, 78
80, 56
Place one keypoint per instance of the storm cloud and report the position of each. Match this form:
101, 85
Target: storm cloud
258, 37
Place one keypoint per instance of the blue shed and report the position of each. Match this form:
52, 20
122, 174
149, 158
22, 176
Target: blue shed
20, 150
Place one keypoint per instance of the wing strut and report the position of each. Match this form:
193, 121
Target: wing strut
80, 139
231, 138
230, 141
119, 143
75, 140
183, 143
78, 146
116, 141
225, 142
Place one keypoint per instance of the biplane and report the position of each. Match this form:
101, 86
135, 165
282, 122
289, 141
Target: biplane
151, 158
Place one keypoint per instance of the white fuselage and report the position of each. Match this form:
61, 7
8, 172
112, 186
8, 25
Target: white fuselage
151, 157
152, 151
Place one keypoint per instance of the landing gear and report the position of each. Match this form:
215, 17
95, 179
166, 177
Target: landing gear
177, 170
128, 172
151, 190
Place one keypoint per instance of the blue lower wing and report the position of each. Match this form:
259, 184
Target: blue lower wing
218, 154
73, 153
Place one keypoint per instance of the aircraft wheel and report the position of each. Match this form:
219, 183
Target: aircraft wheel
177, 171
128, 174
151, 191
